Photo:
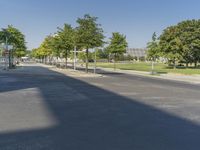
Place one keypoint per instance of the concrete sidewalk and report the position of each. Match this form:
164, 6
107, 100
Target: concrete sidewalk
193, 79
27, 68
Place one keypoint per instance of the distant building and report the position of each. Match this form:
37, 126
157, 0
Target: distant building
137, 52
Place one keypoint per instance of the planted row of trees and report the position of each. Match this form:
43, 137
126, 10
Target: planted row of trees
88, 35
178, 43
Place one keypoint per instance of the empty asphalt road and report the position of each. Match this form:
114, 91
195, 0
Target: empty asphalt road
45, 110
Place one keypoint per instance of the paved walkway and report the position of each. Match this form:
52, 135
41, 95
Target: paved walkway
194, 79
33, 68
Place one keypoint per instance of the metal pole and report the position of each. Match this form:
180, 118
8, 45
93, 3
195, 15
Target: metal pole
95, 61
1, 51
74, 57
5, 59
1, 58
7, 51
152, 67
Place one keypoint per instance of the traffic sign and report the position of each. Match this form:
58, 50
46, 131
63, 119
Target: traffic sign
8, 47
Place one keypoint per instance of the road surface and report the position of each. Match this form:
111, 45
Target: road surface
45, 110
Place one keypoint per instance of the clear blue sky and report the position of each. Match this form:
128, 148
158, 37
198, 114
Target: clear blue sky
137, 19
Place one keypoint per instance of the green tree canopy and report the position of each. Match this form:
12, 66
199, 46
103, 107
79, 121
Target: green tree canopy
14, 36
181, 42
118, 44
153, 48
89, 34
170, 44
45, 49
65, 38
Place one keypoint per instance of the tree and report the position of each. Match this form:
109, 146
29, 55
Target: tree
82, 56
44, 50
13, 36
101, 54
189, 35
66, 40
89, 34
171, 45
118, 45
181, 42
55, 44
107, 53
153, 48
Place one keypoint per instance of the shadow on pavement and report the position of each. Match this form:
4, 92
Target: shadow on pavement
91, 118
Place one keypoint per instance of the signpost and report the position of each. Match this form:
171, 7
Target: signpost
75, 58
6, 51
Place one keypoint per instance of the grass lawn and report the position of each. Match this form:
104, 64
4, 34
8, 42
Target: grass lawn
159, 68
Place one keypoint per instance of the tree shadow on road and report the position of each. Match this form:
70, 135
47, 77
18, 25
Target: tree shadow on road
91, 118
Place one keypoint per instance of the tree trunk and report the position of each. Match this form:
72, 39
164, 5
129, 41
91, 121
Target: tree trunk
115, 61
45, 60
57, 62
187, 64
109, 58
86, 61
152, 67
195, 64
174, 63
66, 62
51, 60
